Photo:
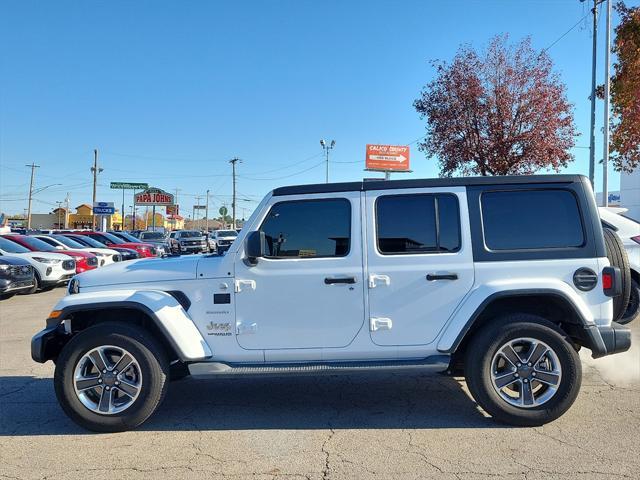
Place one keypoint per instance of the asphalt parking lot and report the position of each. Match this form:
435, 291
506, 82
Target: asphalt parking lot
351, 427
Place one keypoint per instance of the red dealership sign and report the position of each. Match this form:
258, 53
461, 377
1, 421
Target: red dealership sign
387, 158
153, 196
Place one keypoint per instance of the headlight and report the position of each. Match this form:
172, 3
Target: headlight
46, 260
4, 268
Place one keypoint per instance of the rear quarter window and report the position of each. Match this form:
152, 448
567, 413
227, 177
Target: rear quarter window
531, 220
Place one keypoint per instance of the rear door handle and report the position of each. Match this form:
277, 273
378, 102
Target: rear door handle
330, 281
441, 276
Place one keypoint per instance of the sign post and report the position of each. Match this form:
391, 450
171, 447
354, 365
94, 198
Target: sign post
153, 196
387, 159
128, 186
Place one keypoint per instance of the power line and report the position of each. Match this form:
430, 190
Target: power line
565, 33
284, 176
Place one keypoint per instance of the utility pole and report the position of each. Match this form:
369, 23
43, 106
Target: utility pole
206, 213
95, 170
59, 207
326, 147
197, 222
33, 167
233, 162
592, 128
605, 141
66, 212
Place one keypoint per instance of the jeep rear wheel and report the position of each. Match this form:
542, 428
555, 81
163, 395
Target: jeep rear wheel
111, 377
522, 370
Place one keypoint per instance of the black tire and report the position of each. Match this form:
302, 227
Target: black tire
478, 369
633, 306
6, 296
146, 351
617, 256
36, 283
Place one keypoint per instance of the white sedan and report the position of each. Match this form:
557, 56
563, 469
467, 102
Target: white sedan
106, 256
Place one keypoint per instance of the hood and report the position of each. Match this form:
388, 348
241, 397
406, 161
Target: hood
7, 260
159, 241
50, 255
143, 270
77, 253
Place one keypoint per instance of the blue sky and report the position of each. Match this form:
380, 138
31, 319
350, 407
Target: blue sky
170, 91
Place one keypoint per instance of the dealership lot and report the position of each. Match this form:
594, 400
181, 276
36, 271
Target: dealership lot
383, 426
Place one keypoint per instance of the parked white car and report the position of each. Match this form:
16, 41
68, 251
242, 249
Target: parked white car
502, 278
628, 230
50, 269
106, 256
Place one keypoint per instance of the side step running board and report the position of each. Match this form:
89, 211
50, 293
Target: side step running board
436, 363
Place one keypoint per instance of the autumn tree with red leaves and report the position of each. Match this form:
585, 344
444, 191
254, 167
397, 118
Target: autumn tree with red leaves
625, 91
499, 112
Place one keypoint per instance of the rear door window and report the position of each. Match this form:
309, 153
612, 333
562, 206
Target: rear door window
422, 223
531, 219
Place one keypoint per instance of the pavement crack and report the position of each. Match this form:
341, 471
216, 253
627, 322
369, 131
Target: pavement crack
326, 469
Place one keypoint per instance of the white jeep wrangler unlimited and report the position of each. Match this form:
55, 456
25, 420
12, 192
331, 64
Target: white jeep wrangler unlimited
505, 277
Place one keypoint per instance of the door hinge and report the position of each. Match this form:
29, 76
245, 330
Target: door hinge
250, 283
243, 329
379, 323
374, 279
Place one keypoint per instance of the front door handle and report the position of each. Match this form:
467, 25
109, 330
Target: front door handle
330, 281
441, 276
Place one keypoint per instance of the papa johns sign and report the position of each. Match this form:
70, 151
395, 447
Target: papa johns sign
154, 196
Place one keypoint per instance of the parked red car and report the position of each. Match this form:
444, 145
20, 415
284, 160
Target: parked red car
143, 249
84, 260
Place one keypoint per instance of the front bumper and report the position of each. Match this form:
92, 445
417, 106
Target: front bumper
48, 282
16, 285
47, 342
608, 340
193, 248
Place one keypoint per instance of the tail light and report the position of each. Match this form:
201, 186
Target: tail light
611, 281
636, 238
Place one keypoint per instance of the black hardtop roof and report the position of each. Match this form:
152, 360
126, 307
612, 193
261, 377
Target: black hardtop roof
426, 183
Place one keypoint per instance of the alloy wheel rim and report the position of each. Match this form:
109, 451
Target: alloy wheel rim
107, 380
526, 372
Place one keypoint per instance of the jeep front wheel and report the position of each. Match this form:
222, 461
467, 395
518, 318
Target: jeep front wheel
522, 370
111, 377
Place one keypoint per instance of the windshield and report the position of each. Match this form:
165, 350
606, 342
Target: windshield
111, 238
84, 240
190, 234
152, 236
67, 241
127, 236
227, 233
38, 244
12, 247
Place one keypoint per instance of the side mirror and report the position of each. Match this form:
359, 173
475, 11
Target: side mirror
58, 247
254, 247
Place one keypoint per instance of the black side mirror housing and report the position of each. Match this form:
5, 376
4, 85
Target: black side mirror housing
254, 247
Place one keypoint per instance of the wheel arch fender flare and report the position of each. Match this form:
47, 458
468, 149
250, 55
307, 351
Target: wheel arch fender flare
167, 310
455, 332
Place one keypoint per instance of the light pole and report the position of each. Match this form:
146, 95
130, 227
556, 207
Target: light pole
59, 207
605, 127
326, 147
